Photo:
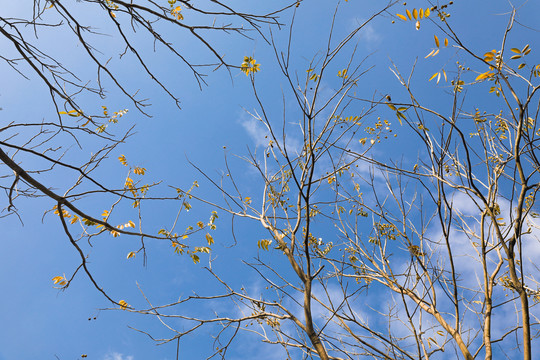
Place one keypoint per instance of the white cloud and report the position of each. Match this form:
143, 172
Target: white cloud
368, 33
255, 129
113, 355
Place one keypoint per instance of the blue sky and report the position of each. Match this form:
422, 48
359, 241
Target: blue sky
43, 322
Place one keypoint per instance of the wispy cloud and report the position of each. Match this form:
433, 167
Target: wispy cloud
113, 355
368, 34
255, 129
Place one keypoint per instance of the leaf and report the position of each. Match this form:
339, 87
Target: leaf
421, 13
123, 304
436, 40
445, 42
517, 51
263, 244
59, 280
417, 25
484, 75
401, 17
427, 12
489, 56
209, 239
130, 224
391, 106
521, 66
131, 254
122, 160
444, 73
433, 76
430, 54
409, 14
515, 57
526, 49
415, 14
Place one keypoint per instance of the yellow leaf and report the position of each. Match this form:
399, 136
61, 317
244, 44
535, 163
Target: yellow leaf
517, 51
421, 13
57, 279
409, 14
415, 14
444, 73
514, 57
105, 213
521, 66
431, 53
122, 160
445, 42
123, 304
209, 239
401, 17
436, 40
417, 25
131, 254
484, 75
427, 12
247, 200
130, 224
391, 106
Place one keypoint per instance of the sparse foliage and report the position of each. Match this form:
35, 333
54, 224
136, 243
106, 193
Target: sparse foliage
393, 225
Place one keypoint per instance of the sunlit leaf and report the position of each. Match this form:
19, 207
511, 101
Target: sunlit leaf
517, 51
409, 14
401, 17
122, 160
209, 239
131, 254
427, 12
484, 75
59, 280
415, 14
123, 304
436, 40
